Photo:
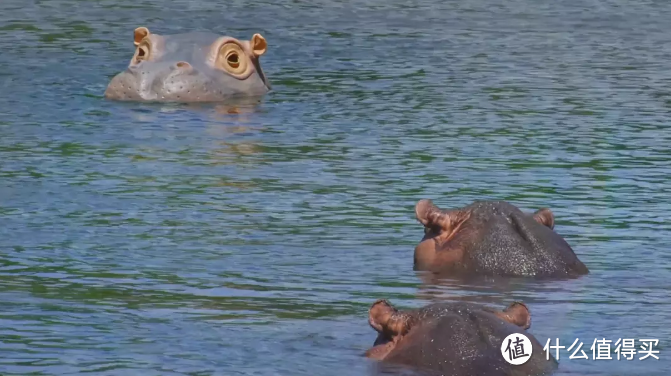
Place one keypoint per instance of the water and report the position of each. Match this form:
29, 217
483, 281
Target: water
157, 239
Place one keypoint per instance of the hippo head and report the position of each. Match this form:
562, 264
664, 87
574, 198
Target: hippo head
191, 67
455, 338
393, 325
492, 238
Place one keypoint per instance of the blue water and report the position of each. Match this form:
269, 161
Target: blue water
149, 239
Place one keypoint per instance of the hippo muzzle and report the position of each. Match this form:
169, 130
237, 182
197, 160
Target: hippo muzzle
193, 67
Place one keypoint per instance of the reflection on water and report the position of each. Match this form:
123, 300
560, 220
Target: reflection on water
251, 237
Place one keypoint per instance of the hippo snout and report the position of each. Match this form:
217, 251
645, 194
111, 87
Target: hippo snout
173, 82
124, 86
177, 81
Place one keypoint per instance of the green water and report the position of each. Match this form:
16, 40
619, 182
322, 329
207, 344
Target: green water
183, 240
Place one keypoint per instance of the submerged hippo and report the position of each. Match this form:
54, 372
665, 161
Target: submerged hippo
191, 67
457, 339
493, 238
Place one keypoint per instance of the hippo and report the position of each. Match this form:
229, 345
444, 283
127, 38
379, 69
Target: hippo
492, 238
190, 67
455, 338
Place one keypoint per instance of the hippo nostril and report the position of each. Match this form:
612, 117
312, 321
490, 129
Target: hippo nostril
183, 65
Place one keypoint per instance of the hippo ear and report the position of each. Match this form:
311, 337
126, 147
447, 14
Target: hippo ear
139, 34
430, 215
545, 217
387, 320
379, 314
517, 314
258, 44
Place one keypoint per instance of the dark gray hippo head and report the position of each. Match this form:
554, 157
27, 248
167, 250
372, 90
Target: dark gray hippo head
191, 67
493, 238
455, 338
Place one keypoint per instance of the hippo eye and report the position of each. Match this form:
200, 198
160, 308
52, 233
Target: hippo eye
233, 60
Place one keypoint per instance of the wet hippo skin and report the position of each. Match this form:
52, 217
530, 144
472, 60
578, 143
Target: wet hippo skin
454, 338
190, 67
493, 238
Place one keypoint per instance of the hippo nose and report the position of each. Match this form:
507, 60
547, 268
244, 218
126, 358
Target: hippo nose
183, 65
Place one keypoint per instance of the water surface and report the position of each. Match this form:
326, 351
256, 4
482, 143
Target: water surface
148, 239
